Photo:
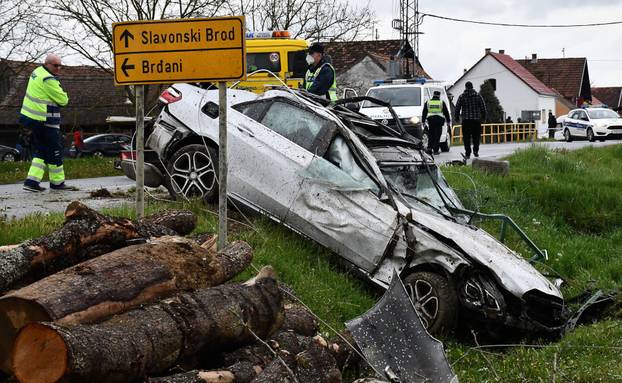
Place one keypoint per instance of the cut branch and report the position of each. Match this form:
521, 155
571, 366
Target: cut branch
149, 340
85, 234
116, 282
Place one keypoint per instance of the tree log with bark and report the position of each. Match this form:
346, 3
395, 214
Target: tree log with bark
116, 282
84, 235
152, 339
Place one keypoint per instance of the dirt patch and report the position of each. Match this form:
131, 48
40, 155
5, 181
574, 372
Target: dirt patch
105, 193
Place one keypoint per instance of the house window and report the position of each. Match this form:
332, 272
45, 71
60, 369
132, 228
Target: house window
493, 82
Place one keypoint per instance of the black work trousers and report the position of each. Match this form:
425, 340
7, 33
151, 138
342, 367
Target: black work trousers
471, 133
435, 125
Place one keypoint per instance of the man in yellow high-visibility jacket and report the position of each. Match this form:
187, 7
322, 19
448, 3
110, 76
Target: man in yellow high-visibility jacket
41, 113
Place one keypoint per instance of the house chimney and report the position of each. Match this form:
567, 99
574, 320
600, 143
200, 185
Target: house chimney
534, 58
488, 50
502, 51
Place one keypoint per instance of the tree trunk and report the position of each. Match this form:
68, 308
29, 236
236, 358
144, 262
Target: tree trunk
116, 282
152, 339
300, 320
85, 234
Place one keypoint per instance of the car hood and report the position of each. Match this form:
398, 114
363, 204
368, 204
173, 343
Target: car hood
381, 113
609, 121
511, 270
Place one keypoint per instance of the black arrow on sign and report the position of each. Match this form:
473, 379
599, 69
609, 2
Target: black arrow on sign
125, 67
126, 35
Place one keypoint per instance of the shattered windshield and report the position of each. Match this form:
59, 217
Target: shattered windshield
417, 187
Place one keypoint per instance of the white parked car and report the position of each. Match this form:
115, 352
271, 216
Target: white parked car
592, 124
407, 97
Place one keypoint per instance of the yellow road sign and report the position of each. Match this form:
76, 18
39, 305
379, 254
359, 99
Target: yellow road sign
181, 50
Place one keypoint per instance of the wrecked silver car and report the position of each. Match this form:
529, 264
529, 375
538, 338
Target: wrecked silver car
364, 190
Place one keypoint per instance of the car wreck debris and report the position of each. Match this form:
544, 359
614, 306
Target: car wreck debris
141, 273
151, 339
396, 343
84, 235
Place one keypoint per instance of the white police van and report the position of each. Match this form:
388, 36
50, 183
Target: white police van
592, 124
407, 97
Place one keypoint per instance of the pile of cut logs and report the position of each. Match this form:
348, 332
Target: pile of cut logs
106, 299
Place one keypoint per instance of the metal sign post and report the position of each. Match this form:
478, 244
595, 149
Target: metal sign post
139, 93
181, 50
222, 165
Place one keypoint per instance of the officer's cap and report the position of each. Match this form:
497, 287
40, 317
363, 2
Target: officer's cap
316, 47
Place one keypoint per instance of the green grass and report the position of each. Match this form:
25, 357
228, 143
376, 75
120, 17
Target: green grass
557, 197
75, 168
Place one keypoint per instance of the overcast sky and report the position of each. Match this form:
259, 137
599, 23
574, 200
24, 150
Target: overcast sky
447, 47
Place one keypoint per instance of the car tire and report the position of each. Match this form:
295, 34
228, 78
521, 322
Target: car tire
192, 173
9, 157
590, 135
435, 300
567, 135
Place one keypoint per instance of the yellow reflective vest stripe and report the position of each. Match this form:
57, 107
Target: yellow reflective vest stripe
44, 97
435, 108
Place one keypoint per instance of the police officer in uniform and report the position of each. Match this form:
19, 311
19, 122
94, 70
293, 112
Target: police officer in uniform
41, 114
436, 113
321, 78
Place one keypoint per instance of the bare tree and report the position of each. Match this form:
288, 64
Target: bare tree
85, 26
326, 20
16, 30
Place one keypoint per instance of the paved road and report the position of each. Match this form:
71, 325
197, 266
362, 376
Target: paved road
17, 203
496, 151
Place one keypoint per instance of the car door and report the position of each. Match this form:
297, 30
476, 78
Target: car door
338, 206
273, 141
572, 124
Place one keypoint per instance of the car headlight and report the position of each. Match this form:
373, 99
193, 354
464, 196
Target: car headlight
414, 120
601, 125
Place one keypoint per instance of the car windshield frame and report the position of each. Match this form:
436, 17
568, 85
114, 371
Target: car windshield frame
595, 114
395, 96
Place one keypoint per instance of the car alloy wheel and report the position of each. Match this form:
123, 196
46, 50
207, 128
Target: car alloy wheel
192, 172
9, 157
434, 299
98, 154
567, 135
590, 135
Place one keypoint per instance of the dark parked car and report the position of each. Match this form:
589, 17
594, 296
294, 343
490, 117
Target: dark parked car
102, 145
8, 154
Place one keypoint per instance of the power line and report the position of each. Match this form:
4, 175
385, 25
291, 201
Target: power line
522, 25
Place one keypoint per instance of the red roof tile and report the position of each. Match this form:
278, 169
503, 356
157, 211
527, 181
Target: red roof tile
346, 54
563, 74
523, 74
610, 96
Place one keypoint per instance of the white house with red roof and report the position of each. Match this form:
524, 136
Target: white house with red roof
520, 93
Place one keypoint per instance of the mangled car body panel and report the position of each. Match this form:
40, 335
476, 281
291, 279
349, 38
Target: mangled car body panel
362, 189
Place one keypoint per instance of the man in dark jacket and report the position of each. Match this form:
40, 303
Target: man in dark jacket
321, 77
552, 125
435, 112
473, 109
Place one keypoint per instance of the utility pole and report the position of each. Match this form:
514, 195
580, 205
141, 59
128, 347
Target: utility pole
408, 25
